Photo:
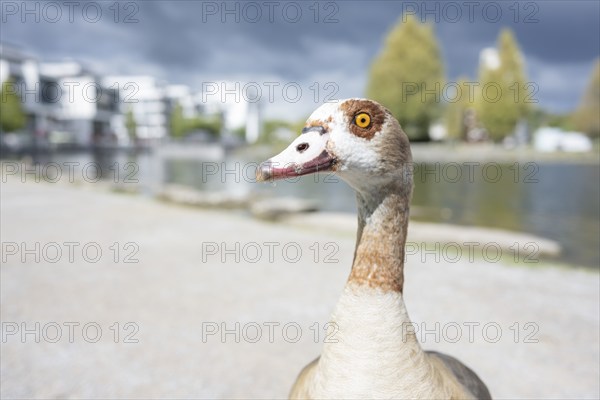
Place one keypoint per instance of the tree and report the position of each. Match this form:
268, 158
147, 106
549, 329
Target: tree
408, 75
131, 125
270, 127
211, 124
587, 116
178, 128
504, 96
454, 115
12, 116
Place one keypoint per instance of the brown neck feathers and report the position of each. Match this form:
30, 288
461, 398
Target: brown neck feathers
379, 254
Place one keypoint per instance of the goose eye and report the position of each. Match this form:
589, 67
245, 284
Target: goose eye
362, 120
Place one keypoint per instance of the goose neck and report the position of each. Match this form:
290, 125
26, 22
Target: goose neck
381, 237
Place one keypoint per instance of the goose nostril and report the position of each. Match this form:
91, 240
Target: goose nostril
302, 147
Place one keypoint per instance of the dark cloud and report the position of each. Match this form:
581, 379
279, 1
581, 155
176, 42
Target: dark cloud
182, 42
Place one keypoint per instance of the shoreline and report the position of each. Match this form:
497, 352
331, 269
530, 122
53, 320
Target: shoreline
423, 152
256, 205
486, 152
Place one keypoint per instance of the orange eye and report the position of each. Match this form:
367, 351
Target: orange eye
362, 120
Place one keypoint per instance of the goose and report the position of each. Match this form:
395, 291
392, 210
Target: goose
376, 354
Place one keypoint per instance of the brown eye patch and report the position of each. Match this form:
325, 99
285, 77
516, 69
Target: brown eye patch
352, 108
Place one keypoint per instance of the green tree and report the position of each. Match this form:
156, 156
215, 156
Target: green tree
12, 116
211, 124
270, 126
178, 125
131, 125
454, 114
504, 96
587, 116
408, 75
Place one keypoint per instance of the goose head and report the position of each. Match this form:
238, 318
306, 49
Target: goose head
357, 139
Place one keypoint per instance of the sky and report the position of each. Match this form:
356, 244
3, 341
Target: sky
299, 54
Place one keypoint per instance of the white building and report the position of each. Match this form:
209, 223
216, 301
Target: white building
80, 110
64, 102
145, 97
182, 95
232, 101
67, 103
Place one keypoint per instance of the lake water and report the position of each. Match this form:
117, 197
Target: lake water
559, 201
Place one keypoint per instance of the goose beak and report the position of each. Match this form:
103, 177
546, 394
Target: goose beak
307, 154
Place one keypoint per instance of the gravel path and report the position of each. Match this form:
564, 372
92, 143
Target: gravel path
529, 332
